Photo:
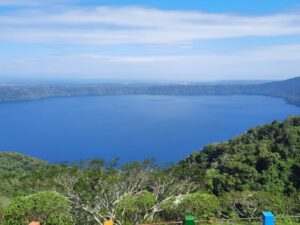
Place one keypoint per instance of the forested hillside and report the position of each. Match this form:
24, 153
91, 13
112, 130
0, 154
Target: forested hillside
253, 172
13, 168
11, 162
264, 158
287, 89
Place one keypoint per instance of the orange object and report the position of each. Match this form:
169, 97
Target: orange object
108, 222
34, 223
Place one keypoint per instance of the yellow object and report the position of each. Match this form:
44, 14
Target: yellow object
108, 222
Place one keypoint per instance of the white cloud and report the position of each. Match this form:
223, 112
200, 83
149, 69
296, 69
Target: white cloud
134, 25
89, 44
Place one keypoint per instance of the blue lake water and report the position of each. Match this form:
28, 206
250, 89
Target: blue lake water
167, 128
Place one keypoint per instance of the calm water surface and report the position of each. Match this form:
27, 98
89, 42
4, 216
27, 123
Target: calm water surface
167, 128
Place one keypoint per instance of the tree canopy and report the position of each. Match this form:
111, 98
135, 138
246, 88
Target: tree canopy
265, 158
49, 208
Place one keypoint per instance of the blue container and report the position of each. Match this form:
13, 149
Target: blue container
268, 218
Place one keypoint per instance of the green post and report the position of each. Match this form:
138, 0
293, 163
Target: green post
189, 220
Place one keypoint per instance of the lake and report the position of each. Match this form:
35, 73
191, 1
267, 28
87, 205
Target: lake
167, 128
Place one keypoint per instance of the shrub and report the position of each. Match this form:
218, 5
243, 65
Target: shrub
50, 208
132, 208
199, 204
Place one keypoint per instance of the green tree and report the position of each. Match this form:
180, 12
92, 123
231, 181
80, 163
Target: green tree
134, 208
201, 205
266, 158
50, 208
251, 204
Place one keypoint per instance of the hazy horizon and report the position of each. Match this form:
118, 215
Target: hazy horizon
16, 80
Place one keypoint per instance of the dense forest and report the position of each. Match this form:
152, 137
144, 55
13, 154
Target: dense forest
265, 158
253, 172
288, 89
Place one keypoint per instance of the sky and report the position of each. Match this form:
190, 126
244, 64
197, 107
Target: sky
193, 40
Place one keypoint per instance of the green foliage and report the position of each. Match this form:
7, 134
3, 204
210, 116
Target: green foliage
17, 163
4, 202
199, 204
265, 158
49, 208
98, 190
251, 204
133, 207
18, 174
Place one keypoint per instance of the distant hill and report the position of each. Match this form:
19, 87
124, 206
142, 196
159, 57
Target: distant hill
15, 169
285, 85
265, 158
11, 162
288, 89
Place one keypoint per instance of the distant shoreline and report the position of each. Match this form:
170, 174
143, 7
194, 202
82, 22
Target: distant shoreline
289, 90
116, 95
